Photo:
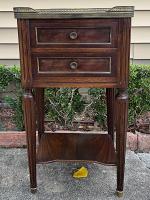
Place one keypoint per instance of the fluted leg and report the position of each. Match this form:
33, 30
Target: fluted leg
110, 96
29, 116
39, 97
121, 129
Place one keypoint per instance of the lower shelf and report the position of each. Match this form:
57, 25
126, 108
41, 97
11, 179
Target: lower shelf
75, 146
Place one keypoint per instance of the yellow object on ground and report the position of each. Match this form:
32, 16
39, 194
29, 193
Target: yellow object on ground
81, 173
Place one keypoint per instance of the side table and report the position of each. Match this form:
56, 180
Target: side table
75, 48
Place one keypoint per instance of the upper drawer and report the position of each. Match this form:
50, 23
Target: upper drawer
74, 33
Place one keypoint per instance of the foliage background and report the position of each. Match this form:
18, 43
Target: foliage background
63, 105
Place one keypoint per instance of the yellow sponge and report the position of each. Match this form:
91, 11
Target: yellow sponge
80, 173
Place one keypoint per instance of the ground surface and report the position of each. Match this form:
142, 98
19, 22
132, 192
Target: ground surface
56, 183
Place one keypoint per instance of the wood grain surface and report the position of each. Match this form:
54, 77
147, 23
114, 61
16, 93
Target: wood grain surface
74, 146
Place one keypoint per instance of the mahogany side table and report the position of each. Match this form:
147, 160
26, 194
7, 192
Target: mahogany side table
75, 48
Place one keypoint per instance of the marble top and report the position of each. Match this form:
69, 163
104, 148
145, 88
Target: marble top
115, 12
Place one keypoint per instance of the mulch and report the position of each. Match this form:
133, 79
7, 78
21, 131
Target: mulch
142, 123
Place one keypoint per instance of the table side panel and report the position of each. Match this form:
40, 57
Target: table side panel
25, 52
124, 52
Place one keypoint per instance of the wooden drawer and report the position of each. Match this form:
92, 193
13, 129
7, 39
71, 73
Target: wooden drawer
74, 65
73, 33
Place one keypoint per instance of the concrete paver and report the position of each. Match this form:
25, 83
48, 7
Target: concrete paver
145, 157
55, 181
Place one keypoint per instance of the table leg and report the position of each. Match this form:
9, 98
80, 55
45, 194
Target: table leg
110, 96
121, 129
30, 126
39, 97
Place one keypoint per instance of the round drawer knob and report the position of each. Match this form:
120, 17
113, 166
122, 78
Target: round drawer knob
73, 35
73, 65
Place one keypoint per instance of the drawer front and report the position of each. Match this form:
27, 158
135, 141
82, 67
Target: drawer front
73, 35
74, 65
95, 33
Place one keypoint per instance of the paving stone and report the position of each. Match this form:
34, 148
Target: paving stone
12, 139
143, 142
145, 157
55, 180
132, 142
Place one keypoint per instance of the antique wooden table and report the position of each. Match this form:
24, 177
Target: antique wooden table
75, 48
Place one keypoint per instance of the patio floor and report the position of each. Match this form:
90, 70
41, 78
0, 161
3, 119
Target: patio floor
55, 181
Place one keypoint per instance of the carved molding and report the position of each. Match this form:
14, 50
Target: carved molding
122, 94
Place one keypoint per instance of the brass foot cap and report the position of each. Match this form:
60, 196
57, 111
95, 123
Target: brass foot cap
33, 190
119, 193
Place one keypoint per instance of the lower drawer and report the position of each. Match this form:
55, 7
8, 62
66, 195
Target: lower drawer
101, 65
75, 66
74, 69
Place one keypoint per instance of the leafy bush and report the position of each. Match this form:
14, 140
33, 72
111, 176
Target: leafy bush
98, 105
16, 105
9, 75
139, 91
139, 95
12, 75
62, 105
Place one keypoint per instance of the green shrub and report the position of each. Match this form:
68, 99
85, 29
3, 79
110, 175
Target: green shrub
139, 91
9, 75
139, 95
98, 105
16, 105
12, 75
62, 104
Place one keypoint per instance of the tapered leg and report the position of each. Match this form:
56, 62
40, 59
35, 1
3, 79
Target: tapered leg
110, 96
29, 116
39, 97
121, 129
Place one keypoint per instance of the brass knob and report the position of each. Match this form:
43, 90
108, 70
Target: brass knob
73, 35
73, 65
